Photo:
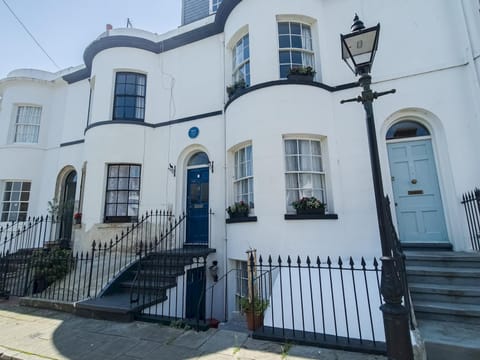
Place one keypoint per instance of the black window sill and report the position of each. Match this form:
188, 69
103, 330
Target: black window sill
311, 217
120, 219
241, 219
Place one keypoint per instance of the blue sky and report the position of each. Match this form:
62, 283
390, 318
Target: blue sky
65, 28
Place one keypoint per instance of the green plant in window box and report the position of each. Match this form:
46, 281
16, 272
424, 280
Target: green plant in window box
238, 209
309, 205
305, 73
236, 86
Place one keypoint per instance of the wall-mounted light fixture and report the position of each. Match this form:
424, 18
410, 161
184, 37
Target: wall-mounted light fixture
214, 270
173, 169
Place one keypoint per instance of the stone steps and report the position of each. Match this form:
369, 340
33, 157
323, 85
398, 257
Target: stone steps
445, 292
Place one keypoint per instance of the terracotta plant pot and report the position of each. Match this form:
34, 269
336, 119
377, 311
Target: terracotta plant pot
254, 321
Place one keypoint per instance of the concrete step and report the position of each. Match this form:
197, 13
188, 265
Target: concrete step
443, 275
450, 340
443, 259
445, 293
467, 313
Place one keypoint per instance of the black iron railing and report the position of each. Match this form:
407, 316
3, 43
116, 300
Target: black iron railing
34, 233
471, 203
30, 251
312, 301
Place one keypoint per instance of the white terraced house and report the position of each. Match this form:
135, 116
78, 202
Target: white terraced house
208, 117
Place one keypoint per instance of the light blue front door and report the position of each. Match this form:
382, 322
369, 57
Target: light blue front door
418, 202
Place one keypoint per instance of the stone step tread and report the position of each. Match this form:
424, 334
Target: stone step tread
450, 332
442, 270
471, 310
442, 255
468, 290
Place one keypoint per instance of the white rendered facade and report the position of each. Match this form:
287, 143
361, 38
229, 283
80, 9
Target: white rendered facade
429, 52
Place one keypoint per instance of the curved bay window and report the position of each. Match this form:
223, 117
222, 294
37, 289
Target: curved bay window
305, 176
241, 61
129, 96
123, 193
295, 46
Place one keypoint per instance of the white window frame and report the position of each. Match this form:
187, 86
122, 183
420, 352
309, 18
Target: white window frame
240, 63
26, 127
306, 50
303, 189
241, 282
7, 215
243, 175
214, 5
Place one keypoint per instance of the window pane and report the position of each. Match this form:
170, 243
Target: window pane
295, 28
122, 209
284, 41
291, 147
112, 184
292, 163
111, 197
317, 163
16, 186
283, 28
297, 42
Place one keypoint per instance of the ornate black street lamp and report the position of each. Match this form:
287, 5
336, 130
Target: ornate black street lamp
358, 51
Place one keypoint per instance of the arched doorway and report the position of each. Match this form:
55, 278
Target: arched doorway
418, 201
197, 199
67, 205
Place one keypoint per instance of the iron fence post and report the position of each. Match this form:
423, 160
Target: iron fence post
91, 269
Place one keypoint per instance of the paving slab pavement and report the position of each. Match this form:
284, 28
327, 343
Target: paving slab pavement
37, 334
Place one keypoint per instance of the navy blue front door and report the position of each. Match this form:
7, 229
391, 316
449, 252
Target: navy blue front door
195, 304
197, 206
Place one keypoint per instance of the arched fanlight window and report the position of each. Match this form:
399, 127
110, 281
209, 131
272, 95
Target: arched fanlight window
406, 129
199, 158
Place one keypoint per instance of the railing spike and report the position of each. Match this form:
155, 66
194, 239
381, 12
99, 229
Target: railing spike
308, 261
329, 262
364, 263
289, 260
375, 262
351, 262
340, 262
270, 259
318, 261
279, 259
298, 260
260, 260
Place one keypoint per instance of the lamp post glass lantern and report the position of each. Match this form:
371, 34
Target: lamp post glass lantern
358, 51
359, 47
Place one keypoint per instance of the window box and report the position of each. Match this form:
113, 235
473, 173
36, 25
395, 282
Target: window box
311, 217
300, 78
241, 219
317, 211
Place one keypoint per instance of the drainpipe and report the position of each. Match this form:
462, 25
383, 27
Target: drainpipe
225, 174
470, 55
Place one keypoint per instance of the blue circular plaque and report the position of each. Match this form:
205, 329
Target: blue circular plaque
193, 132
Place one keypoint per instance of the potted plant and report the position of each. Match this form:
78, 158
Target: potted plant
254, 311
238, 209
309, 205
301, 73
236, 86
78, 218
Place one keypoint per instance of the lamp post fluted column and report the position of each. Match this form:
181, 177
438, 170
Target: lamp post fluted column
358, 51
